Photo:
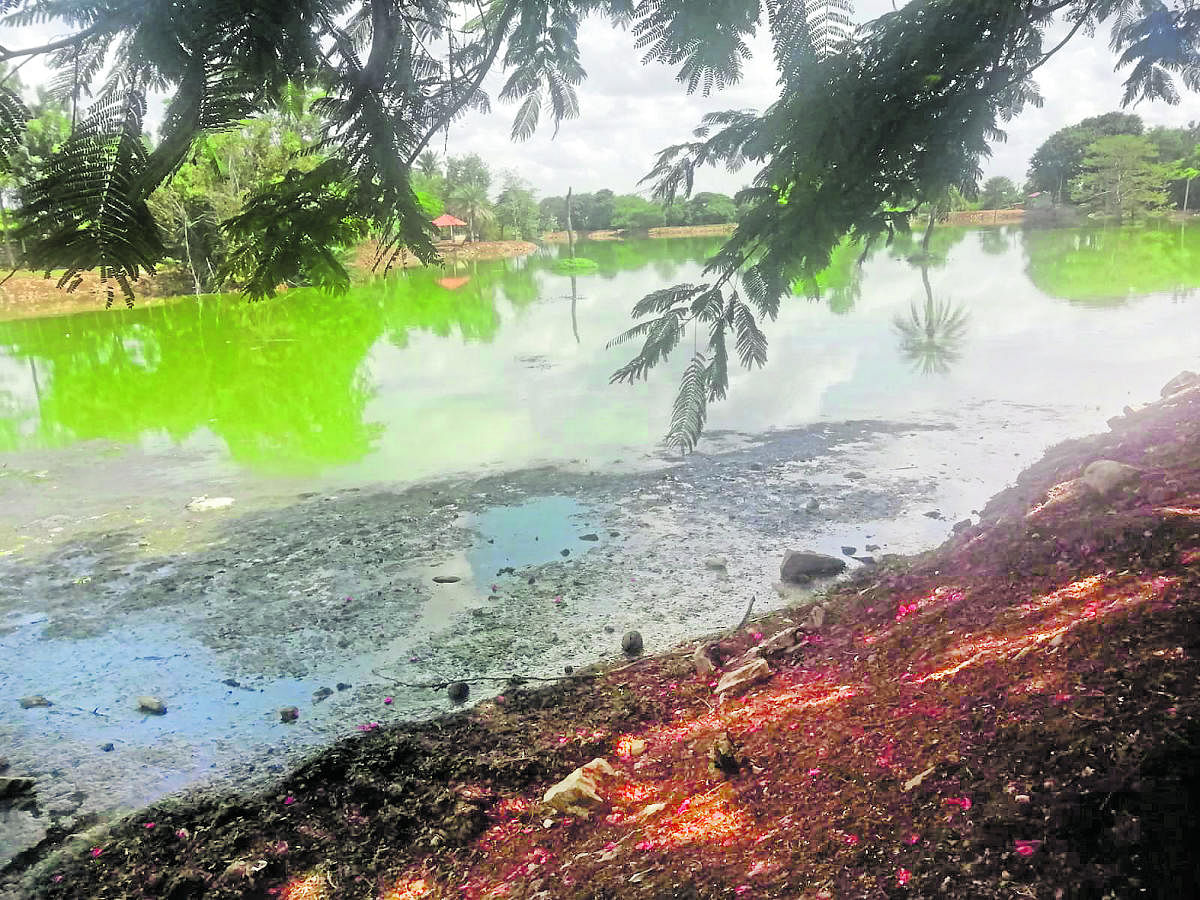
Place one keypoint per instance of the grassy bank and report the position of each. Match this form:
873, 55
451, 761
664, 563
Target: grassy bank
1012, 714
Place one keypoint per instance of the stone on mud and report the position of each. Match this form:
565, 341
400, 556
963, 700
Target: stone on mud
458, 691
1180, 382
741, 679
801, 566
579, 793
1107, 475
152, 705
14, 787
631, 643
779, 643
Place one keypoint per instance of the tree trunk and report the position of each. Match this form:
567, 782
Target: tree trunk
929, 229
570, 232
1187, 190
12, 263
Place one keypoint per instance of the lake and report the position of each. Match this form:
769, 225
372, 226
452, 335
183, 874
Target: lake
459, 423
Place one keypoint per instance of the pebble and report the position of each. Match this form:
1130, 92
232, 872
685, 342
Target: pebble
321, 693
289, 714
446, 579
631, 643
849, 551
34, 701
813, 505
589, 537
566, 552
107, 748
458, 691
342, 686
152, 705
608, 629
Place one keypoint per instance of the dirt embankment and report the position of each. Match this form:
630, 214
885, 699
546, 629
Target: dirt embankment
560, 237
1014, 714
31, 295
987, 217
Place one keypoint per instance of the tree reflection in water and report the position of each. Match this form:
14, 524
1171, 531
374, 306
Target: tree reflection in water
931, 336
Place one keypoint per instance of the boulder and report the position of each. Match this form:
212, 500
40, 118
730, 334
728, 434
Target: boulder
152, 705
579, 793
802, 566
1106, 475
739, 680
14, 787
34, 701
1180, 382
631, 643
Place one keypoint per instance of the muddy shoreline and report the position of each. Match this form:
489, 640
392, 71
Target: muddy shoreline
422, 794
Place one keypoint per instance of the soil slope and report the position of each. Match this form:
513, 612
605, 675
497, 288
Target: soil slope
1014, 714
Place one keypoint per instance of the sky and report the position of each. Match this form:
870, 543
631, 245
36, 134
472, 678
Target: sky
630, 110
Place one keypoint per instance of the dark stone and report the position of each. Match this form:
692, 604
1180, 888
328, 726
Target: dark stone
446, 579
458, 691
591, 536
342, 686
614, 534
289, 714
566, 552
231, 682
849, 551
722, 757
801, 566
14, 787
933, 514
871, 548
321, 693
962, 526
568, 670
108, 748
3, 764
532, 579
631, 643
856, 476
608, 629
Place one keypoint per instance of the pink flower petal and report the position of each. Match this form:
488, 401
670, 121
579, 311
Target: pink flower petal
289, 800
96, 851
903, 875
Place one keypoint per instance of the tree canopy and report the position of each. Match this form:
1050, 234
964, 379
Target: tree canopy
929, 85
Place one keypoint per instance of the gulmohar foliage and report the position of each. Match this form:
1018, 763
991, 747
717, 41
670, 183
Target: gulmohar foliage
928, 85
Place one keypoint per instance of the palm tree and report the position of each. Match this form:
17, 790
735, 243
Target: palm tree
429, 165
930, 338
472, 203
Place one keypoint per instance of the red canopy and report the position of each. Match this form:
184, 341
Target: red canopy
447, 219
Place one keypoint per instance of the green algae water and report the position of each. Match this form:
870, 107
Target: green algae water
506, 364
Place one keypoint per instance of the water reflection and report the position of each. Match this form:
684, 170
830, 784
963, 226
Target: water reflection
931, 336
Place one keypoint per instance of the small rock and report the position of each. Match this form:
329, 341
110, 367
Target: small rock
608, 629
962, 526
244, 868
108, 748
446, 579
458, 691
703, 661
342, 686
1180, 382
816, 618
152, 705
740, 680
916, 780
321, 693
589, 537
715, 562
14, 787
1106, 475
636, 747
231, 682
856, 476
812, 505
205, 503
614, 534
568, 670
565, 552
722, 756
849, 551
652, 810
801, 566
779, 643
871, 548
289, 714
579, 793
631, 643
932, 514
34, 702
